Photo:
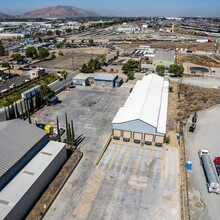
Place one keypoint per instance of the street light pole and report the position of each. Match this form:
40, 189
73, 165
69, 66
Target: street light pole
73, 62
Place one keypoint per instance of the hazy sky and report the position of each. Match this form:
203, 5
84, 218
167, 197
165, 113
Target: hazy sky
122, 7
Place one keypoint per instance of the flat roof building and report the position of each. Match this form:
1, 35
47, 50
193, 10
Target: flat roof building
18, 197
143, 117
105, 80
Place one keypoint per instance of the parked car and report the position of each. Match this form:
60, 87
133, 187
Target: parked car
192, 127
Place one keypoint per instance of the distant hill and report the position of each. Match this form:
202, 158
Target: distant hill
59, 12
3, 16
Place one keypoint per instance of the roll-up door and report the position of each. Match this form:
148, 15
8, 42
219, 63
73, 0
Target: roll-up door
126, 135
117, 133
148, 138
159, 140
137, 136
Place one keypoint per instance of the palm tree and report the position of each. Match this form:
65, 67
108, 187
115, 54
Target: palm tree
64, 74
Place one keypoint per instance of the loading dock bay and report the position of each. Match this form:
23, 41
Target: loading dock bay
147, 139
132, 182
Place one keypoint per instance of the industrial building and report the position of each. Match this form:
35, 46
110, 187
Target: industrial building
81, 79
165, 58
28, 162
100, 80
105, 80
144, 115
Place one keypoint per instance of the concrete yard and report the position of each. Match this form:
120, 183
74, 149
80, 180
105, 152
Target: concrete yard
131, 182
203, 205
92, 110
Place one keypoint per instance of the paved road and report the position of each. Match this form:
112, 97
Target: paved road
16, 80
205, 136
205, 82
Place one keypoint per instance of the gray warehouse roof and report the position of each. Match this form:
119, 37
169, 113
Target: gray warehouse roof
165, 55
25, 179
106, 77
17, 138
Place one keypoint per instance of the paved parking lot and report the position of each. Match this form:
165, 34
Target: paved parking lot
205, 136
131, 182
92, 110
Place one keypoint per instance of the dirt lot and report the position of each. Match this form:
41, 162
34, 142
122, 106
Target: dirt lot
194, 98
197, 59
174, 45
73, 58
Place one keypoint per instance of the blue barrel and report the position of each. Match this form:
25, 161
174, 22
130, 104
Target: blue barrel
188, 165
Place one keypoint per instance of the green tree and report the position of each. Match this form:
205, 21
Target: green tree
2, 49
84, 68
64, 74
176, 69
72, 133
130, 65
68, 44
17, 57
43, 53
58, 32
6, 65
45, 93
68, 30
130, 75
91, 42
31, 52
49, 33
58, 131
160, 69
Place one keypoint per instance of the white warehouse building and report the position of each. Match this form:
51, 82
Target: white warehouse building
144, 115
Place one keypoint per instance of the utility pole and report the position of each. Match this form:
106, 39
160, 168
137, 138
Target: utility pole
73, 62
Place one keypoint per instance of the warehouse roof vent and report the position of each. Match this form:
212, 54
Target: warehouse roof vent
3, 202
49, 154
28, 172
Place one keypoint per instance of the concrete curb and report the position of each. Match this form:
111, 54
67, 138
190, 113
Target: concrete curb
104, 149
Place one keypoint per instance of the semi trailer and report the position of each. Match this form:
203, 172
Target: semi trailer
210, 171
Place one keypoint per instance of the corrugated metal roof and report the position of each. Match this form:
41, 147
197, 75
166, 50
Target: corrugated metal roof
17, 137
165, 55
106, 77
23, 181
82, 76
147, 102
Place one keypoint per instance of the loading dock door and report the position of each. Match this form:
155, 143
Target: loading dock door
137, 136
148, 138
126, 135
159, 140
116, 133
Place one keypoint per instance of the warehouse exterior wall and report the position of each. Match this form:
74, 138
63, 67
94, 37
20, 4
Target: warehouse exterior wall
137, 126
14, 170
22, 208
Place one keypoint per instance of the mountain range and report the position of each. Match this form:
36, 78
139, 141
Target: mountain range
59, 11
